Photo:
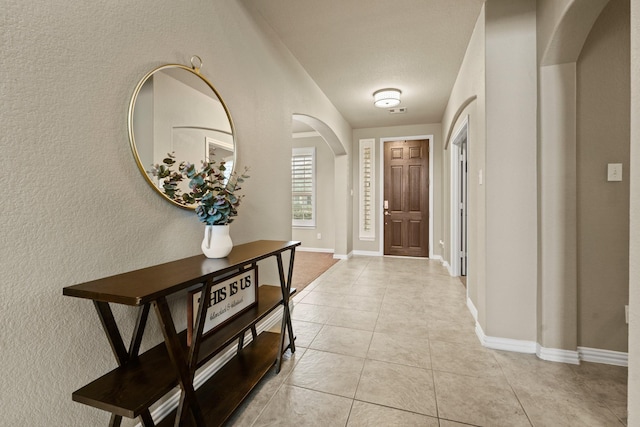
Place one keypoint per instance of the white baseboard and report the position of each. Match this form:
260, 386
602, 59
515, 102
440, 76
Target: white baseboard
558, 355
368, 253
172, 402
341, 256
472, 308
573, 357
507, 344
446, 265
323, 250
607, 357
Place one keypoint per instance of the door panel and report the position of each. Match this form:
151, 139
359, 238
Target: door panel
415, 229
415, 189
395, 200
396, 234
406, 189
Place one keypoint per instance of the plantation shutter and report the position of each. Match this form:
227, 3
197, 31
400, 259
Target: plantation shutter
302, 187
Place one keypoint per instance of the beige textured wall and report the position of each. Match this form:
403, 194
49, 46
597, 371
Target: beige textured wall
557, 268
511, 175
562, 27
469, 82
603, 73
392, 132
325, 216
76, 207
634, 256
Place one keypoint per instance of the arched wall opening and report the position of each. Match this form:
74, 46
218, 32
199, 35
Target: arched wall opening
327, 235
565, 169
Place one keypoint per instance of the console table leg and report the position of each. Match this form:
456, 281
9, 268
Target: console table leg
119, 351
241, 341
111, 329
136, 337
146, 420
115, 420
286, 327
176, 354
292, 343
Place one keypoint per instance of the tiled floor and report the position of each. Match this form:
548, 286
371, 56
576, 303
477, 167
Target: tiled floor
390, 342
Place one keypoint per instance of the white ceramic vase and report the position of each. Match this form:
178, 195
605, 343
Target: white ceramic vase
217, 242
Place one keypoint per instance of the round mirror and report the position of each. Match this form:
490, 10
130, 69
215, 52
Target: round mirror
175, 110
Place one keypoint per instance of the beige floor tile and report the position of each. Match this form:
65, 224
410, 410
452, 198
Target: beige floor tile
353, 302
345, 273
448, 312
619, 409
608, 383
300, 294
532, 377
407, 303
305, 332
327, 372
311, 313
529, 373
460, 333
311, 286
377, 278
447, 423
434, 295
397, 386
362, 302
402, 324
399, 349
478, 401
465, 360
406, 286
294, 407
420, 338
331, 287
566, 409
336, 339
264, 391
329, 299
367, 289
366, 415
355, 319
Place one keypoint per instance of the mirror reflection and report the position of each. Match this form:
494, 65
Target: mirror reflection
176, 110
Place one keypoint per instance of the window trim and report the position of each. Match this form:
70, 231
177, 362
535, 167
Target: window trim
305, 223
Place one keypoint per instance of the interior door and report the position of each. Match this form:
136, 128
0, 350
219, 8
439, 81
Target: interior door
406, 198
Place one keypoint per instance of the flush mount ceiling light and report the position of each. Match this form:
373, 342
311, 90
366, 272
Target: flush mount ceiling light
386, 98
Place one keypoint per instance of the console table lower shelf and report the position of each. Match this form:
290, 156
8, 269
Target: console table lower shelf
221, 395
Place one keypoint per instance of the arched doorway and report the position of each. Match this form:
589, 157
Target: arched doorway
307, 131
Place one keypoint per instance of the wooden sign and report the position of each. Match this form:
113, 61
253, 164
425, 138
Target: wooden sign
229, 298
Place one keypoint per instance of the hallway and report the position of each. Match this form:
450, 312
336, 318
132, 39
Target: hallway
391, 342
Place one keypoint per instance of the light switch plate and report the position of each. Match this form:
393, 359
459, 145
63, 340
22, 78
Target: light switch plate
614, 172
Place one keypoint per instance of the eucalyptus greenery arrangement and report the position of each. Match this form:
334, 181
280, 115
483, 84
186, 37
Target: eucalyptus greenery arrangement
214, 193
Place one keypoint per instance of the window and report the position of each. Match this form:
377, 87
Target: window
303, 188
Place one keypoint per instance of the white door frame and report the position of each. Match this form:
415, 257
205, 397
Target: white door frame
462, 134
381, 187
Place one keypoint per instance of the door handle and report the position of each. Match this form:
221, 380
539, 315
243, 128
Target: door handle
386, 213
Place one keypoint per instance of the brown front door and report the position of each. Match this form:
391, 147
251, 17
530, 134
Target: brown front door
406, 198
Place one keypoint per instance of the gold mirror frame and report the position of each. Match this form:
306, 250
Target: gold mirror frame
171, 68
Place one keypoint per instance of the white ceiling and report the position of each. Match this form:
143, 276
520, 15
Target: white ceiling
351, 48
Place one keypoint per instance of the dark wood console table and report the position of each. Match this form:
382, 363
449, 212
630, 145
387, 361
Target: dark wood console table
140, 380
